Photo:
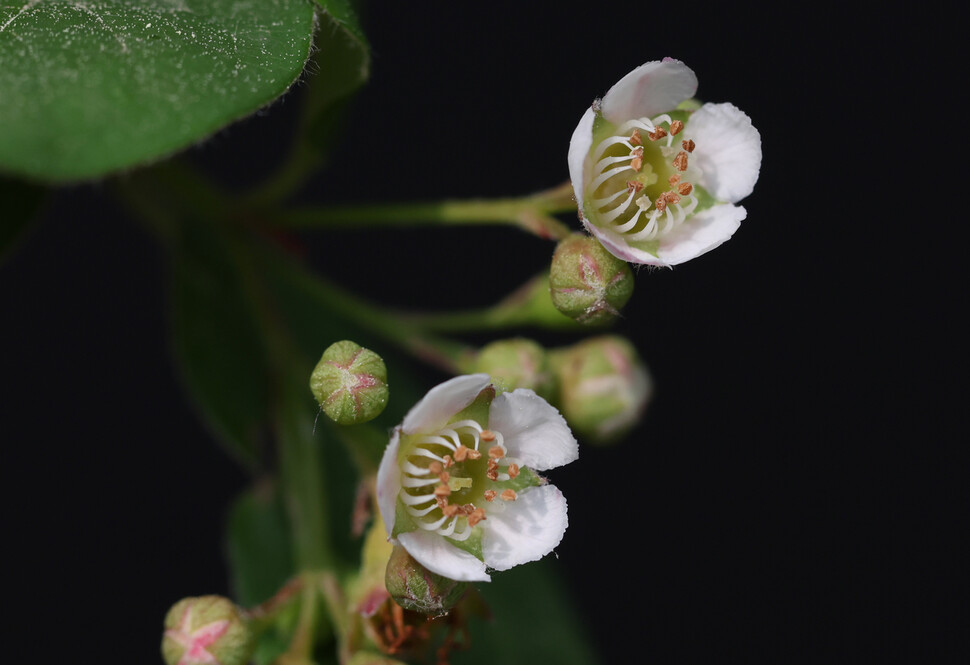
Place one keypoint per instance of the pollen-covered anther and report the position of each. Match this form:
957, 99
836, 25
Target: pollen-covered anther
509, 495
657, 134
442, 490
487, 435
461, 453
477, 516
635, 138
676, 127
680, 161
449, 462
661, 203
490, 495
688, 145
636, 163
674, 179
685, 188
633, 186
492, 474
444, 477
496, 452
513, 470
450, 510
435, 468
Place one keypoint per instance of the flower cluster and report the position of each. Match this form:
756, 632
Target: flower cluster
656, 182
457, 486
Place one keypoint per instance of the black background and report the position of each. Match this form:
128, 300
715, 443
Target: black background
772, 505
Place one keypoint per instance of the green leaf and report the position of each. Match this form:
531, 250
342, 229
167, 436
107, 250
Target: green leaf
534, 621
21, 201
216, 342
258, 545
93, 87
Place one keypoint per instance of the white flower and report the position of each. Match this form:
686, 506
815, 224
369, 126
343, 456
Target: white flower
457, 487
657, 184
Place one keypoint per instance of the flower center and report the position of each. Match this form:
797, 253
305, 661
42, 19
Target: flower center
447, 479
641, 182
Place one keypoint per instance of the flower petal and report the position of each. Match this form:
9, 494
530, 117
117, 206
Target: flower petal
443, 401
439, 556
528, 529
617, 245
579, 147
534, 432
728, 150
701, 233
389, 482
650, 89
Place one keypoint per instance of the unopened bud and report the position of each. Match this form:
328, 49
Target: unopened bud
604, 387
350, 383
415, 588
207, 629
516, 363
586, 282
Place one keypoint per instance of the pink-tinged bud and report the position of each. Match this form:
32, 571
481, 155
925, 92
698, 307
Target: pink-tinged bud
586, 282
350, 383
415, 588
516, 363
604, 387
207, 630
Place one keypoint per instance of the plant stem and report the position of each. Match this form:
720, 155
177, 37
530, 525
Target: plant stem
531, 213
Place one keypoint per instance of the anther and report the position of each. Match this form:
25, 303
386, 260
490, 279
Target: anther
435, 468
513, 470
688, 145
449, 462
633, 186
672, 198
657, 134
676, 127
636, 163
462, 452
680, 161
492, 474
477, 516
685, 188
444, 476
496, 452
509, 495
674, 179
661, 203
490, 495
635, 138
450, 510
442, 490
488, 435
473, 454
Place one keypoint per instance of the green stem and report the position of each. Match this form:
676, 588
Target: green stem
531, 213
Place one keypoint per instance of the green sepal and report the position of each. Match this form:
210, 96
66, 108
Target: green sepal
472, 544
478, 409
526, 478
403, 522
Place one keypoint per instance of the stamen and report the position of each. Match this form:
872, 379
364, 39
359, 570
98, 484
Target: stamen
435, 468
490, 495
449, 462
509, 495
450, 509
688, 145
685, 188
415, 499
676, 127
414, 482
488, 435
496, 453
477, 516
633, 186
635, 137
474, 454
680, 161
461, 453
442, 490
513, 470
674, 179
657, 134
444, 477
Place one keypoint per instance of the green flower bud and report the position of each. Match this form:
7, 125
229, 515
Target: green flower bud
415, 588
516, 363
350, 383
207, 629
586, 282
604, 387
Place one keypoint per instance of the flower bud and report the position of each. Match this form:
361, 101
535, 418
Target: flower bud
604, 387
586, 282
350, 383
516, 363
415, 588
207, 629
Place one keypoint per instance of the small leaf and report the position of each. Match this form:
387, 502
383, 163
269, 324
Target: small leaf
21, 201
93, 87
258, 545
216, 342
